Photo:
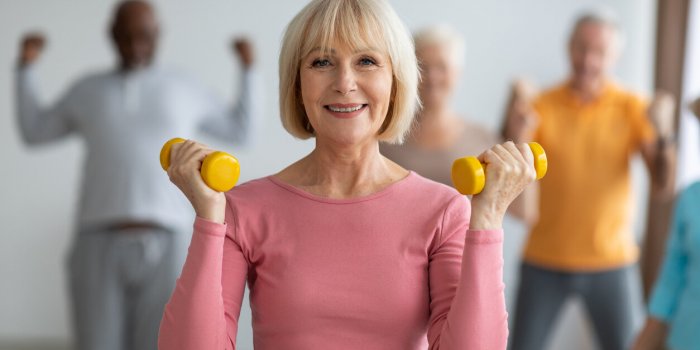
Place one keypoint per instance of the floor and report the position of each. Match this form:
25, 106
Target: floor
34, 345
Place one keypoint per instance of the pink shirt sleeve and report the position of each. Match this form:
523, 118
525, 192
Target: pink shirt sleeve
467, 308
203, 311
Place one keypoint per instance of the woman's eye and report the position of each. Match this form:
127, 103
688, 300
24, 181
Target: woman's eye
320, 63
367, 61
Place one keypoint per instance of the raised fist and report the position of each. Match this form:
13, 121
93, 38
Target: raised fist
30, 48
661, 111
243, 48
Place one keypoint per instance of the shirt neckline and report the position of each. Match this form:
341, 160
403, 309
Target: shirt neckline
386, 190
605, 93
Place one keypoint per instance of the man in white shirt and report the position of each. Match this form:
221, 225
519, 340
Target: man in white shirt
125, 257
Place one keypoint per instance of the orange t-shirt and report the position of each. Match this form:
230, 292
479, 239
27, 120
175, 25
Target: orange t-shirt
585, 199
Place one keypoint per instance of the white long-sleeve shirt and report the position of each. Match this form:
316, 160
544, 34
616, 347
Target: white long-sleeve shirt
124, 119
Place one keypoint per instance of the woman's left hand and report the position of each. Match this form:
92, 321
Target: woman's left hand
509, 169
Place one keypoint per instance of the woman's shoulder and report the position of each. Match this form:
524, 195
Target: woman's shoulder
428, 190
433, 200
253, 190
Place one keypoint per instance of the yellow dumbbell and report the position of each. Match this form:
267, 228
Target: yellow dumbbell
468, 173
220, 170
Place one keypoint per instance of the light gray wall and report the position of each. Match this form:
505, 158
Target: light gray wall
689, 133
38, 188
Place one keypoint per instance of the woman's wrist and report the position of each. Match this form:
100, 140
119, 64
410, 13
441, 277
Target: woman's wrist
214, 211
486, 218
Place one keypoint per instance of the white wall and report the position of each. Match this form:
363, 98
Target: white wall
38, 187
689, 133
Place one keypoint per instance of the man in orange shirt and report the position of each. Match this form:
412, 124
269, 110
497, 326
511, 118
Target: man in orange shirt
582, 244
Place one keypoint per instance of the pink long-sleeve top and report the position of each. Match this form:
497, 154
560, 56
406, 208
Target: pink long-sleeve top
398, 269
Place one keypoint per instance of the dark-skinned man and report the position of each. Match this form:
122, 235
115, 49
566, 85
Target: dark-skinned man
582, 245
128, 249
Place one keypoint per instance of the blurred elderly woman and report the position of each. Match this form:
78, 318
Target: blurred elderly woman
440, 134
345, 249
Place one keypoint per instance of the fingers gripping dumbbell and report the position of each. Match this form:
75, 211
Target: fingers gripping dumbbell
468, 173
220, 170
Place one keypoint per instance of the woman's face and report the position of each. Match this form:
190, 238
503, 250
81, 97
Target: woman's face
439, 74
346, 94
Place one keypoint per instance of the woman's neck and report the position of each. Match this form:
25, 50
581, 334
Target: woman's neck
337, 171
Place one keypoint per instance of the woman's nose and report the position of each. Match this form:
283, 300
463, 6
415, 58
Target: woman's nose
345, 80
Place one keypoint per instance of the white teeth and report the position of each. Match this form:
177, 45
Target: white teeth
345, 110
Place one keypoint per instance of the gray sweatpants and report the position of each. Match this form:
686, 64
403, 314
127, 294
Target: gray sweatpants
119, 283
542, 292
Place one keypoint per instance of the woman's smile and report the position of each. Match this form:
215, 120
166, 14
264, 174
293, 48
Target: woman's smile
346, 110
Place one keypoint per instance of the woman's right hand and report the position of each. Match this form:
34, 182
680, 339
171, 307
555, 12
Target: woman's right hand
509, 169
184, 171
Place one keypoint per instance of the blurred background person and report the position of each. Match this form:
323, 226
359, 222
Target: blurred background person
441, 134
125, 256
674, 307
582, 244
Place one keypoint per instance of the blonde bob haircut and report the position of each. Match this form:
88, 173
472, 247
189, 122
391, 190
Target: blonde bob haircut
359, 24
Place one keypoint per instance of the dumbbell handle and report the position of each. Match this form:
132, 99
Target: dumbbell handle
220, 170
469, 177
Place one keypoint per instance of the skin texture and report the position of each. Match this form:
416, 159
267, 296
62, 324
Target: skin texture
346, 162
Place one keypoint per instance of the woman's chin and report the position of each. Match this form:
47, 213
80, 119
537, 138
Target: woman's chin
350, 139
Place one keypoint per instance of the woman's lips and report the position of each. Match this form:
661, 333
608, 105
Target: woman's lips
345, 110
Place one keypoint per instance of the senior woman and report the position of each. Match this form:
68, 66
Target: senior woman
441, 134
345, 249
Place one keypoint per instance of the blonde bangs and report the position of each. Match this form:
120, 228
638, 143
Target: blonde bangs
343, 23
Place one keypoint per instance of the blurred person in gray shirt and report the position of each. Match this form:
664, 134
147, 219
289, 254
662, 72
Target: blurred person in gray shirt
126, 256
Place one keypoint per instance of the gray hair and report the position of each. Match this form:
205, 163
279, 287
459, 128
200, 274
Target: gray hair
443, 34
604, 17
